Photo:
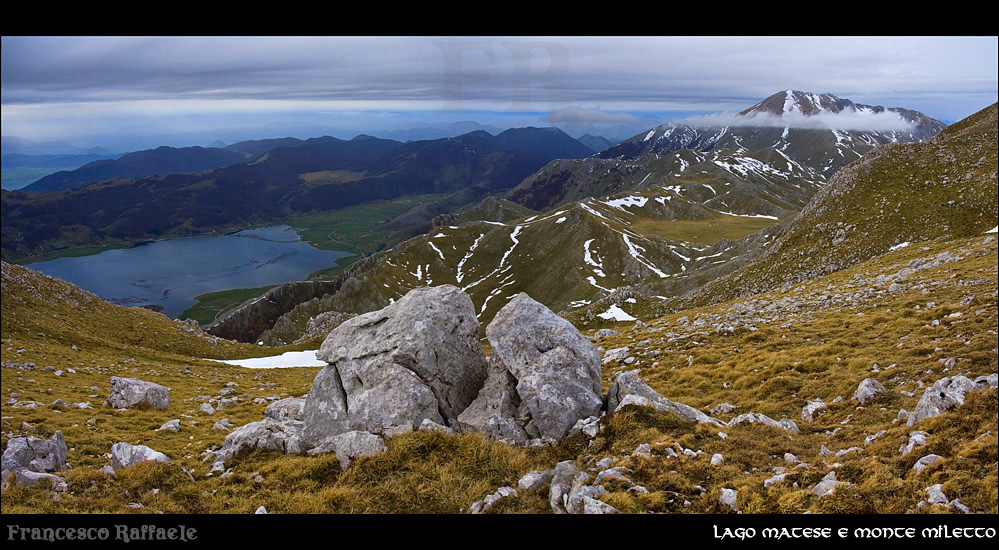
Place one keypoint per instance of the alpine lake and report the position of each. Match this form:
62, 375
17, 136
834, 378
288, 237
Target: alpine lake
167, 275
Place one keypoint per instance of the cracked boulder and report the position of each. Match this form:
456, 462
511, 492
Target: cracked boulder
34, 455
389, 370
546, 376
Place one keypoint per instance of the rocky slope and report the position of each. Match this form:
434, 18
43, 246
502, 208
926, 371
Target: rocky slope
895, 196
870, 390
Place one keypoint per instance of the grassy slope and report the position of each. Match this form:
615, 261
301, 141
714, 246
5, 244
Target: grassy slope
822, 350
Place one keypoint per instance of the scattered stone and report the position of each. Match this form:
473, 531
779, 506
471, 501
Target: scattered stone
430, 426
264, 434
224, 424
775, 479
535, 481
717, 459
828, 485
867, 389
34, 455
207, 408
925, 462
722, 408
173, 426
616, 354
643, 450
871, 438
728, 498
353, 444
562, 482
594, 506
29, 478
589, 427
943, 395
813, 410
124, 455
616, 474
758, 418
261, 510
485, 504
628, 384
936, 494
227, 403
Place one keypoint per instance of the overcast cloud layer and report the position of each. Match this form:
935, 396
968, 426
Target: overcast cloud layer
65, 87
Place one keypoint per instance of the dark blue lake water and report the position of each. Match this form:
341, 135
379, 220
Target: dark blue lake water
170, 273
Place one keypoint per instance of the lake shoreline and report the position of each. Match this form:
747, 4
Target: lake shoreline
172, 273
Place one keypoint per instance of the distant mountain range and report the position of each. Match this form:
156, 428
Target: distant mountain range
162, 160
285, 177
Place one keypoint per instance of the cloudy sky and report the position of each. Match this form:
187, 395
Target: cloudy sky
88, 89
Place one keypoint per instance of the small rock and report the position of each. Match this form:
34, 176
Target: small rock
124, 455
728, 498
173, 426
867, 389
925, 462
490, 500
535, 481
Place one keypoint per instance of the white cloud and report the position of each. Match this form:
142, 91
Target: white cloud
587, 115
885, 121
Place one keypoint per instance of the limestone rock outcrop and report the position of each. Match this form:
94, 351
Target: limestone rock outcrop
33, 458
127, 393
391, 369
545, 370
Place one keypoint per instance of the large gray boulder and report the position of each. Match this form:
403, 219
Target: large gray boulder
556, 368
629, 384
34, 454
391, 369
127, 393
124, 455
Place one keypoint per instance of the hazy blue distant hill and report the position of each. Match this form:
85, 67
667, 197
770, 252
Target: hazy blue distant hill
597, 143
422, 132
19, 170
162, 160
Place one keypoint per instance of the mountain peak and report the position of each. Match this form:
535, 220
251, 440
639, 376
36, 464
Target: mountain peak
802, 103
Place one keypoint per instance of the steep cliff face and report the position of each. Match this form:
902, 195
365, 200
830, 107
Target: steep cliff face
249, 320
258, 316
